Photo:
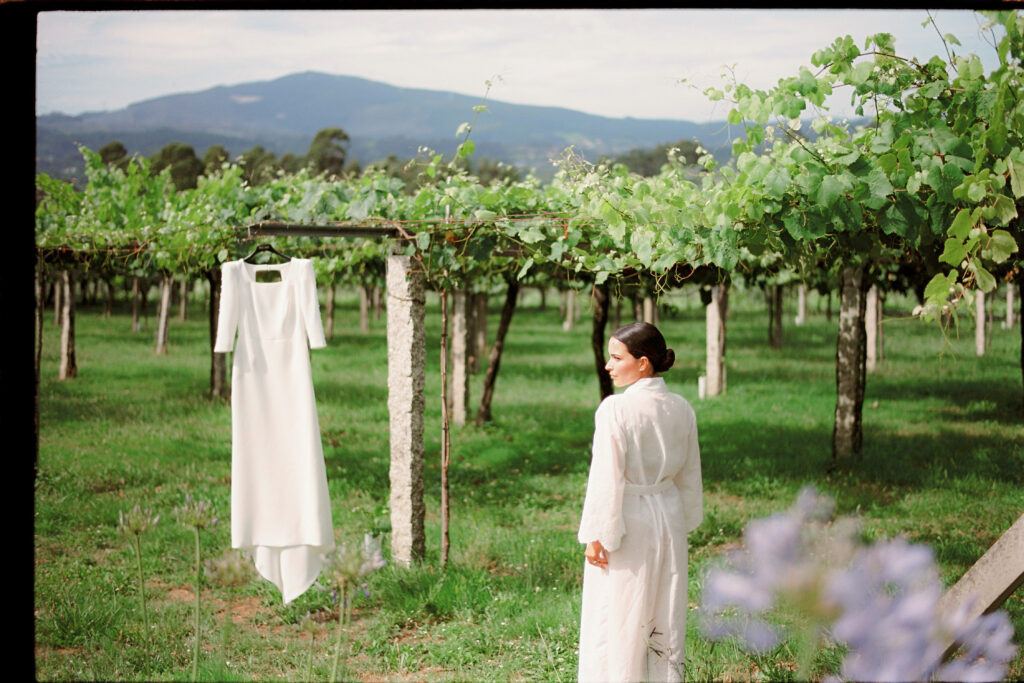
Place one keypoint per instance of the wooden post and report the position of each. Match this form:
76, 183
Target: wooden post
68, 362
378, 302
461, 343
871, 328
480, 328
184, 292
570, 310
108, 308
364, 309
58, 288
220, 387
406, 376
775, 316
136, 293
993, 578
329, 325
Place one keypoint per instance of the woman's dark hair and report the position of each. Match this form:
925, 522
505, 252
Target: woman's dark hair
644, 339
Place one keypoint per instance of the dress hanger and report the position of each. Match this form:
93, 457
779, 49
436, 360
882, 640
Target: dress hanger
260, 248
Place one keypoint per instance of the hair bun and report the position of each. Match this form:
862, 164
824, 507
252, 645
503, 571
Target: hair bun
667, 361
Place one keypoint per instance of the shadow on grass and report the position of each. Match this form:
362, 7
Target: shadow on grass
973, 400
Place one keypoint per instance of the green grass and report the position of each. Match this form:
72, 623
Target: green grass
943, 464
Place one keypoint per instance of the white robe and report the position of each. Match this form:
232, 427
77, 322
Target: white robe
644, 494
280, 509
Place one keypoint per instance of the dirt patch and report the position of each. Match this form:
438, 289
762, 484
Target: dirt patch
243, 610
181, 595
61, 651
427, 673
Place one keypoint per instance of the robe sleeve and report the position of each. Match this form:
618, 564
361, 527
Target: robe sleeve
227, 315
602, 508
688, 481
309, 306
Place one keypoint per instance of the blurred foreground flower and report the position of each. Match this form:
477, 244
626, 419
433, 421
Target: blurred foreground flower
309, 626
136, 521
196, 514
231, 570
879, 600
346, 565
132, 525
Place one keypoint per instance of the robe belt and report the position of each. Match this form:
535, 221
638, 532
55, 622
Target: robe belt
645, 490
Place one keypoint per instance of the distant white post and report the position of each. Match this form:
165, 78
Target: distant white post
979, 322
715, 337
871, 328
801, 304
460, 356
1010, 311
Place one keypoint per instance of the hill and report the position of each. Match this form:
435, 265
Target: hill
284, 114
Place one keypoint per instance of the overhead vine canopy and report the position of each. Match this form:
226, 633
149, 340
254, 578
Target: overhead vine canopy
937, 172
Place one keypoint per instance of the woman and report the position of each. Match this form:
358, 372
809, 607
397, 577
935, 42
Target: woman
643, 496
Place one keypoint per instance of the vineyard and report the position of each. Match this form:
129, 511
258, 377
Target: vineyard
920, 207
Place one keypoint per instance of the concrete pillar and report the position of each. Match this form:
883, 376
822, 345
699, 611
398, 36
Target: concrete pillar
68, 362
461, 343
993, 578
649, 310
407, 356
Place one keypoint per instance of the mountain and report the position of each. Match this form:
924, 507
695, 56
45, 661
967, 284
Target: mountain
284, 114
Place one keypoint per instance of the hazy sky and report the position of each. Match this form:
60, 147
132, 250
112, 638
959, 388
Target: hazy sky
608, 62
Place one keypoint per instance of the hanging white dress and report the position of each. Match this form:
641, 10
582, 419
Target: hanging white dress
280, 510
644, 494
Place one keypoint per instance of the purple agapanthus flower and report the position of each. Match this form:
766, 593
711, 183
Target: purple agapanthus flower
881, 600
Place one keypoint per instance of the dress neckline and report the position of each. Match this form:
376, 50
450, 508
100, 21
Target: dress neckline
654, 383
250, 270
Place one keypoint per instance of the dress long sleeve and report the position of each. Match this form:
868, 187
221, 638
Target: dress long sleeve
689, 483
310, 307
227, 316
602, 507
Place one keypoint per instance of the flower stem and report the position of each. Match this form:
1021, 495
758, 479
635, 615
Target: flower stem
341, 622
142, 598
195, 655
806, 649
309, 660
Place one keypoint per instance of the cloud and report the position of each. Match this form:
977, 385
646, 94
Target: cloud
610, 62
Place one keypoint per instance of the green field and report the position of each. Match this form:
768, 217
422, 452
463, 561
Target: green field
943, 464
